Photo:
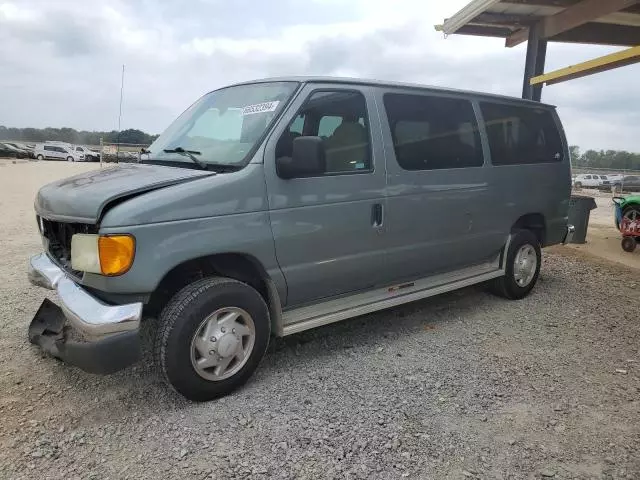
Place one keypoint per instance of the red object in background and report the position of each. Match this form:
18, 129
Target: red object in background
630, 230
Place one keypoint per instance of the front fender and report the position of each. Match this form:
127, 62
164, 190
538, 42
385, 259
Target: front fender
160, 247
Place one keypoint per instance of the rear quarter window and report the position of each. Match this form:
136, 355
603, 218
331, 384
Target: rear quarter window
521, 134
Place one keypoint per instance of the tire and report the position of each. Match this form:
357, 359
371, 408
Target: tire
510, 286
578, 185
40, 157
70, 159
628, 244
184, 322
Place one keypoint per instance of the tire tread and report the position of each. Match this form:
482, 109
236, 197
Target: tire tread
174, 310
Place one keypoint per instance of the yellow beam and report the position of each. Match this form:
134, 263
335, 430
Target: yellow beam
597, 65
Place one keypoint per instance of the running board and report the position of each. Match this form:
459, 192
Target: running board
304, 318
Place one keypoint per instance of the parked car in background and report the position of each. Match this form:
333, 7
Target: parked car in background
590, 180
24, 147
627, 183
51, 151
89, 155
11, 151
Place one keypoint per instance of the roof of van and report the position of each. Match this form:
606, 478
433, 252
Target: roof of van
391, 84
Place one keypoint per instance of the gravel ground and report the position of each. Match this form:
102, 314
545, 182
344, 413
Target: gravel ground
465, 385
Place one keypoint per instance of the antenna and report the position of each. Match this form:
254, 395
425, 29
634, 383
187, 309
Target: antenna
120, 115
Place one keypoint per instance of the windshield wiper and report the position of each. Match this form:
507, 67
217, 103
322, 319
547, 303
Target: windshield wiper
191, 154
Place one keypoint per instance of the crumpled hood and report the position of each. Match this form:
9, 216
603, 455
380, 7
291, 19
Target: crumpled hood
83, 198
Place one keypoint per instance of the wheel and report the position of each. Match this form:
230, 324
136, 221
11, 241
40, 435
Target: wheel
211, 337
522, 267
40, 157
70, 159
628, 244
632, 212
617, 188
578, 184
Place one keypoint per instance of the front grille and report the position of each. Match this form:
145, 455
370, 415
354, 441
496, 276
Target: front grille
58, 235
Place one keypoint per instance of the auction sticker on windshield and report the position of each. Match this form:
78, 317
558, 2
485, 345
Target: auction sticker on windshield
260, 108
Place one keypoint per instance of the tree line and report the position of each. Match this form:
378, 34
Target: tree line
609, 159
73, 136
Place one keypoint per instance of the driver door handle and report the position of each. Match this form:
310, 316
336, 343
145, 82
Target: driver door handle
376, 215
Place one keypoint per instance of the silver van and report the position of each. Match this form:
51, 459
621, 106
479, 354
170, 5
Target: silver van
275, 206
57, 151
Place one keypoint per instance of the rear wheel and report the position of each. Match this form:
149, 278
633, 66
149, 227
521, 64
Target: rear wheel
211, 337
523, 260
578, 184
70, 159
40, 157
628, 244
632, 212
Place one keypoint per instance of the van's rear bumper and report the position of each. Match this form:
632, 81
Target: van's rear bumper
82, 331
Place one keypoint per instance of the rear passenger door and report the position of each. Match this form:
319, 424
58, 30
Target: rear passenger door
329, 229
436, 183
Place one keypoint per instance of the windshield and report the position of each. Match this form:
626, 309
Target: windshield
223, 126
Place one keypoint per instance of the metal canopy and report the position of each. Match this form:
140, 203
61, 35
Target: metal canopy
600, 22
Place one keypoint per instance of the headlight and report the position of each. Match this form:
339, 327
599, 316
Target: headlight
104, 254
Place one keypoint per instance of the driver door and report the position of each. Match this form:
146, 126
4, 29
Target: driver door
329, 229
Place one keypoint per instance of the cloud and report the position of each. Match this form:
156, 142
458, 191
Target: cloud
61, 59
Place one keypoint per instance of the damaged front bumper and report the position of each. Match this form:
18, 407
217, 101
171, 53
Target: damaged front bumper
82, 331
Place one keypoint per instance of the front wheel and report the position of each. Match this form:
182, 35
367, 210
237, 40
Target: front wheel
578, 185
40, 157
211, 337
70, 159
628, 244
523, 261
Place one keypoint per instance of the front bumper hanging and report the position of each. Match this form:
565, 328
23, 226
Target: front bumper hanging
82, 331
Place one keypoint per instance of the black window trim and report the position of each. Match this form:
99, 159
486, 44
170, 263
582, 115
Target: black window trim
363, 171
475, 106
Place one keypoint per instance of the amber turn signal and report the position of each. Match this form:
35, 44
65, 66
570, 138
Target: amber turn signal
116, 253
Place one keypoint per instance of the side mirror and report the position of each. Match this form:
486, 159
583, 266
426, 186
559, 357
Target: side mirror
308, 159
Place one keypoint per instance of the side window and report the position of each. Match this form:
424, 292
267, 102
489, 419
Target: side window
432, 133
48, 149
587, 177
340, 119
521, 135
297, 125
78, 149
328, 125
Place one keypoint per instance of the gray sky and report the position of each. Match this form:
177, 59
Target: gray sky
60, 60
